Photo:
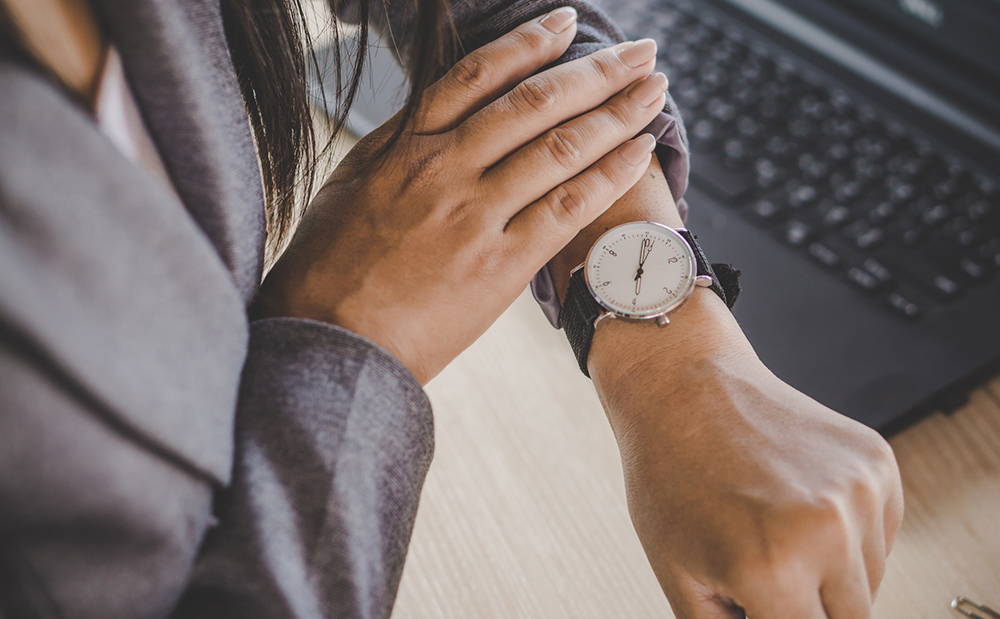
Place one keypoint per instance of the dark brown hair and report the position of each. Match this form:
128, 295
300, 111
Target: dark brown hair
271, 49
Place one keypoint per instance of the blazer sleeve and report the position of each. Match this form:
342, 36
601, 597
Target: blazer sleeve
333, 441
479, 22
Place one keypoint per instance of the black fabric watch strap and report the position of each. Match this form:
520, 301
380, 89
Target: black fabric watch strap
580, 309
703, 266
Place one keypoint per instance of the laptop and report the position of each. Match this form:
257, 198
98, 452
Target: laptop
846, 156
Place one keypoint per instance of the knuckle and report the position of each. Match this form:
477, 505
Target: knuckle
607, 178
459, 213
866, 492
605, 68
472, 72
882, 472
621, 114
490, 261
885, 456
560, 145
423, 170
535, 94
528, 37
833, 524
568, 202
771, 571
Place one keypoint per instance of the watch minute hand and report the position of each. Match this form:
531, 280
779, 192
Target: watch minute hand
647, 246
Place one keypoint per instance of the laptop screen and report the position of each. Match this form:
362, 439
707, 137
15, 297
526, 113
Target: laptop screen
966, 29
951, 46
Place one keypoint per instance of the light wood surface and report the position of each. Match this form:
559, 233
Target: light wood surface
523, 513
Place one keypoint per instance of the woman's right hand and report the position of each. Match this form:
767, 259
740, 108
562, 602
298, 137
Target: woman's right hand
500, 167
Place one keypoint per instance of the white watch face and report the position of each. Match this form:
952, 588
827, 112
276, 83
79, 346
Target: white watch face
641, 270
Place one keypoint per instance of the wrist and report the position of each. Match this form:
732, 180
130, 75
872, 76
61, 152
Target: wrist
634, 364
648, 200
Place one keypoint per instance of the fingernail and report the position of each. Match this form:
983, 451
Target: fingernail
637, 151
638, 53
648, 91
559, 19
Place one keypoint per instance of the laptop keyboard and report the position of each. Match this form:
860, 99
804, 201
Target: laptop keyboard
828, 174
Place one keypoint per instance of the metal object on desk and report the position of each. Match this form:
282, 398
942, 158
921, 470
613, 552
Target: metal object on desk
968, 608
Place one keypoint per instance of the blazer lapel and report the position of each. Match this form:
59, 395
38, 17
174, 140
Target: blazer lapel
109, 284
178, 64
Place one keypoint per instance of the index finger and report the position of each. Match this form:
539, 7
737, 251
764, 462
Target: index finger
490, 71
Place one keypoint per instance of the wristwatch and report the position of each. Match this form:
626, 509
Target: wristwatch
639, 271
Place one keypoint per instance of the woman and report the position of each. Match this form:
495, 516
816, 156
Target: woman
168, 452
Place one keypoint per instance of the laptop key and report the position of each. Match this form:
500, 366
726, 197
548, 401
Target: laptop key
824, 255
882, 213
863, 279
985, 184
935, 215
990, 250
754, 70
869, 238
878, 270
953, 228
980, 210
947, 286
721, 110
750, 129
925, 271
836, 216
904, 306
704, 135
813, 168
843, 129
974, 270
969, 237
872, 146
863, 235
713, 77
743, 95
688, 94
802, 196
797, 233
735, 151
769, 174
782, 148
766, 210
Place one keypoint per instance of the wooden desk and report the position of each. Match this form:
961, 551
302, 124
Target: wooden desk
523, 513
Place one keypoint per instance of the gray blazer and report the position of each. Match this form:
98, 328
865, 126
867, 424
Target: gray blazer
159, 455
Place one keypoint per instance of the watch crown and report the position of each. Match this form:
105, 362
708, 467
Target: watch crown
663, 320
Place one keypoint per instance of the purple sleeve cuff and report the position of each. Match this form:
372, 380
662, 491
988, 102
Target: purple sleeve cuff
675, 161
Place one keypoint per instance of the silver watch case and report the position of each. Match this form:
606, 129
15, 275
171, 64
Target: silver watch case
660, 315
